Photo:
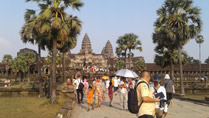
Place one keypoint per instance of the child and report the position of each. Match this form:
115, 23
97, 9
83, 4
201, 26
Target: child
90, 98
110, 93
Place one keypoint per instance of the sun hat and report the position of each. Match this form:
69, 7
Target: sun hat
156, 78
167, 76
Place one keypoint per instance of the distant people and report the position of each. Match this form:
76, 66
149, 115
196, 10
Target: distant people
90, 98
131, 83
79, 90
161, 108
107, 83
98, 87
110, 93
145, 97
123, 93
169, 87
116, 83
68, 83
86, 86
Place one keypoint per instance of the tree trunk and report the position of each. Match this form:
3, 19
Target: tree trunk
39, 73
53, 84
172, 69
181, 70
125, 58
63, 67
200, 60
29, 73
129, 58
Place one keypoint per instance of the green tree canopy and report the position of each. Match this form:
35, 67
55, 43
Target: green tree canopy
140, 65
120, 64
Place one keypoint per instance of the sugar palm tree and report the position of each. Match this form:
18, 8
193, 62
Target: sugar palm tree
52, 21
67, 46
118, 51
182, 22
128, 42
140, 65
29, 58
120, 64
29, 35
199, 40
7, 59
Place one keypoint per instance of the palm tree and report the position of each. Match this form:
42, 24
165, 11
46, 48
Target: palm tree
75, 30
29, 58
199, 40
7, 59
120, 64
29, 35
182, 22
128, 42
118, 51
140, 65
53, 22
207, 60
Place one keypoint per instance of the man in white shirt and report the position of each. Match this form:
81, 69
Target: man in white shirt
123, 93
79, 91
116, 83
161, 107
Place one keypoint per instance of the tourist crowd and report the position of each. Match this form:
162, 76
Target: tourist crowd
153, 98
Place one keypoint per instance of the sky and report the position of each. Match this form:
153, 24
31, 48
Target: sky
102, 20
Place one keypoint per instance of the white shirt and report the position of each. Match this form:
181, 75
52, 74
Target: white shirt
107, 83
161, 89
123, 90
77, 82
116, 82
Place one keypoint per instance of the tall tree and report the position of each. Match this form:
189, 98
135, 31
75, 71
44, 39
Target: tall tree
29, 35
129, 42
120, 64
181, 20
207, 60
52, 21
29, 58
140, 65
199, 40
7, 59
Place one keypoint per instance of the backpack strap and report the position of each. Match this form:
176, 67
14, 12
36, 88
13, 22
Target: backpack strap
140, 83
137, 86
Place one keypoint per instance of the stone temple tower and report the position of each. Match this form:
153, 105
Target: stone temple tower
86, 45
107, 51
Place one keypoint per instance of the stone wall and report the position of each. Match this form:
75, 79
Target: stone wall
66, 110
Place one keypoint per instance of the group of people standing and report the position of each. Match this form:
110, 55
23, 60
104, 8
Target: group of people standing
150, 105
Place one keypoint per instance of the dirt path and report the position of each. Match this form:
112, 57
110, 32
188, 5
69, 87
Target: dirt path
180, 109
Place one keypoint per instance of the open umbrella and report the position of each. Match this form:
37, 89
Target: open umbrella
126, 73
105, 77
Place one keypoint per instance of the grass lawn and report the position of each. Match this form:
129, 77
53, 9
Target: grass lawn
28, 107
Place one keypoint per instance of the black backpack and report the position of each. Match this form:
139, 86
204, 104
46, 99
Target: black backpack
80, 86
133, 106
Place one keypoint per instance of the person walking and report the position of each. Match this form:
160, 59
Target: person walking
169, 87
110, 93
79, 90
86, 86
145, 97
161, 108
123, 93
107, 83
98, 87
90, 98
116, 85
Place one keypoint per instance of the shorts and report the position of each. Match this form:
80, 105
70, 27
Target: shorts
90, 101
115, 89
169, 96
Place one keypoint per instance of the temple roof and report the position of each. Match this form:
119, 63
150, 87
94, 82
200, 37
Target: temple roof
108, 50
86, 45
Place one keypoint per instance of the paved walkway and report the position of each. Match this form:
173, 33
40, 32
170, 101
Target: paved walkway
180, 109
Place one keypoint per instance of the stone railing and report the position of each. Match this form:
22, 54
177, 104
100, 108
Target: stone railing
66, 110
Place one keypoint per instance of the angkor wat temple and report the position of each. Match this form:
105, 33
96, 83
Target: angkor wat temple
89, 64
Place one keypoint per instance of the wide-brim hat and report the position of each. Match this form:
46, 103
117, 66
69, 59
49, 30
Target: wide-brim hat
156, 78
167, 76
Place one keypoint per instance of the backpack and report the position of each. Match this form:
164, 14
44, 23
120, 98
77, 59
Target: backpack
133, 106
80, 86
